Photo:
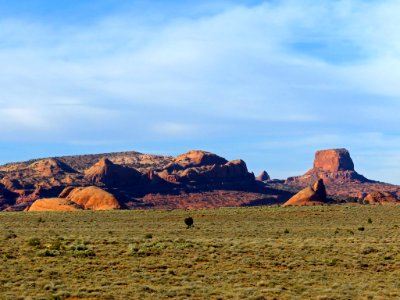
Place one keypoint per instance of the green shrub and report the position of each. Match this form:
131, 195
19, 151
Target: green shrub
48, 253
34, 242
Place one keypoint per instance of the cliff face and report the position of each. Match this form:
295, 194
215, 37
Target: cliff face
334, 160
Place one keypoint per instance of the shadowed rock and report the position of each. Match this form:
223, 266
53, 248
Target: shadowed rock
111, 174
264, 176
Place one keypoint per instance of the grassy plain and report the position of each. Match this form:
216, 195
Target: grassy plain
330, 252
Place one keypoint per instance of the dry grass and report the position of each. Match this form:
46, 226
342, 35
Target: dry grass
240, 253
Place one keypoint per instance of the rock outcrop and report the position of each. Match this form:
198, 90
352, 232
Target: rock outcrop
381, 198
54, 204
334, 166
315, 195
50, 167
264, 176
111, 174
198, 158
92, 197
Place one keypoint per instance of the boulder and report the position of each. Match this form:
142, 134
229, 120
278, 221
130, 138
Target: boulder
315, 195
93, 198
379, 198
264, 176
54, 204
111, 174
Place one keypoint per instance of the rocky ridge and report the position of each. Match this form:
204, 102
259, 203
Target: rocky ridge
153, 178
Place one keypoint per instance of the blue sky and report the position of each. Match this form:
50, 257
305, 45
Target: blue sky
270, 82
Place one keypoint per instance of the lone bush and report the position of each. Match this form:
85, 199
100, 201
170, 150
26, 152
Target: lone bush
189, 222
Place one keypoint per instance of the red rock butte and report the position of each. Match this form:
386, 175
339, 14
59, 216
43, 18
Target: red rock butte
333, 160
334, 166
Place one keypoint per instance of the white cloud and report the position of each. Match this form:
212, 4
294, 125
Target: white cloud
305, 70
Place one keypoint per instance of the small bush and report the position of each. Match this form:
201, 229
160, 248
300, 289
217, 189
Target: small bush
10, 235
34, 242
368, 250
286, 231
48, 253
369, 221
148, 236
189, 222
361, 228
83, 253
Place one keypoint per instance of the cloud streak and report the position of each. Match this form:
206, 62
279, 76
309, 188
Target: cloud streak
282, 71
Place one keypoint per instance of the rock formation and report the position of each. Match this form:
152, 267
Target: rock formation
309, 196
198, 158
92, 198
111, 174
334, 166
264, 176
54, 204
380, 198
50, 167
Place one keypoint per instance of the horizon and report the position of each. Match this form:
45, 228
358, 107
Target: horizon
269, 82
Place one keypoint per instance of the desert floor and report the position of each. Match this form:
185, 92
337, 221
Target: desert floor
330, 252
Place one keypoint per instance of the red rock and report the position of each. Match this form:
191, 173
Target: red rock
315, 195
333, 160
93, 198
111, 174
50, 167
379, 198
53, 204
333, 166
65, 192
198, 158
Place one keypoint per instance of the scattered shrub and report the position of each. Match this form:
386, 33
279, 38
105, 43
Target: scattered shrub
10, 235
148, 236
361, 228
369, 221
368, 250
189, 222
286, 231
48, 253
34, 242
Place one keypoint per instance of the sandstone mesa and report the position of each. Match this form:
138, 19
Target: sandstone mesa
196, 179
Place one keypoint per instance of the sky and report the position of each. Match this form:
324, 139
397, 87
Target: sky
269, 82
